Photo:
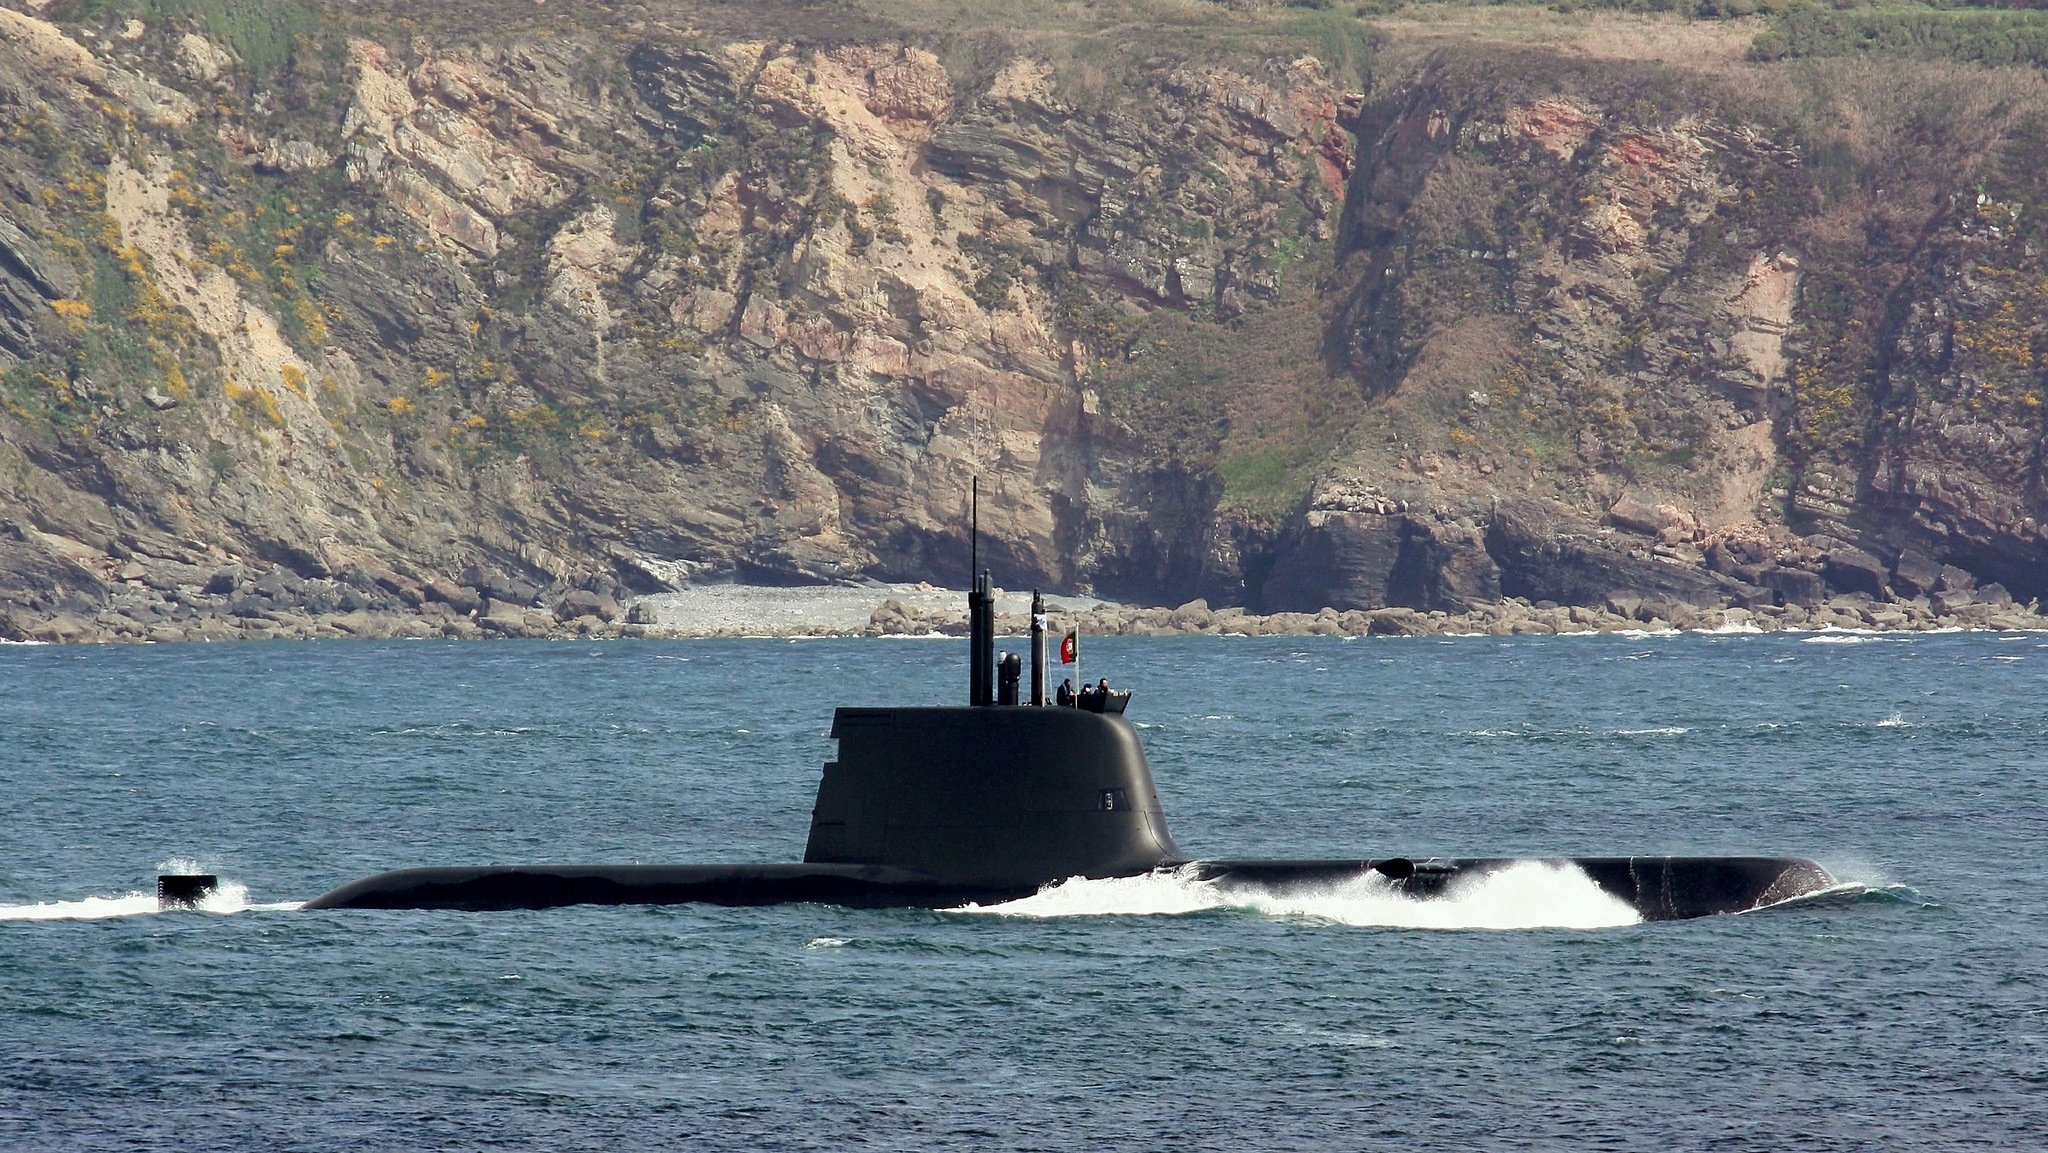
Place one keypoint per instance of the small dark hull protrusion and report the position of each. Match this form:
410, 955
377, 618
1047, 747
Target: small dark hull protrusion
184, 890
1659, 888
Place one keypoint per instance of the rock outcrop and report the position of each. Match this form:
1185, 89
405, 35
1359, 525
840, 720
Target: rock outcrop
488, 331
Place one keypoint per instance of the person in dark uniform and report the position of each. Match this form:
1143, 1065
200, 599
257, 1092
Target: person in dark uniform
1065, 693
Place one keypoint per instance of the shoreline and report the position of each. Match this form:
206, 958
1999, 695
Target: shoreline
923, 610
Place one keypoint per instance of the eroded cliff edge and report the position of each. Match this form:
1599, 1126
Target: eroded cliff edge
304, 310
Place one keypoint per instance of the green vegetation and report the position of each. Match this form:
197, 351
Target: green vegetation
1267, 480
263, 34
1970, 35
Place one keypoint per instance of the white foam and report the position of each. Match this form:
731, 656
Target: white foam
89, 909
1524, 895
1895, 721
229, 897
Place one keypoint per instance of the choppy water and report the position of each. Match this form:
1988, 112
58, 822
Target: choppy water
1909, 1010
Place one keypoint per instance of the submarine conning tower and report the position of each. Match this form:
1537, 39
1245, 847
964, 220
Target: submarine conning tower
999, 794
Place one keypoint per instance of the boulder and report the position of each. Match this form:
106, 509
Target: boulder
225, 579
1847, 568
1638, 513
584, 603
64, 628
508, 619
1398, 622
1793, 586
1915, 574
278, 584
460, 598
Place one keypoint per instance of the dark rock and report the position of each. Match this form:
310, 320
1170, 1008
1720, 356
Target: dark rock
1722, 558
1398, 622
1945, 602
1793, 586
1752, 597
1850, 569
504, 618
1953, 579
460, 598
495, 585
225, 579
320, 597
1364, 560
248, 607
584, 603
1543, 554
1993, 594
1916, 574
1344, 560
1444, 566
278, 584
404, 588
65, 628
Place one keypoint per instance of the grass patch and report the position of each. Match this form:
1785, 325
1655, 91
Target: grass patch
1267, 481
263, 34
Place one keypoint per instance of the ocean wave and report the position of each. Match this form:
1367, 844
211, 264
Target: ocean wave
1525, 895
1852, 893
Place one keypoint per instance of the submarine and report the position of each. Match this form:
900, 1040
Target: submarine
940, 806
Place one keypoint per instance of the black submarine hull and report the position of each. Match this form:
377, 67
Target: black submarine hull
501, 887
1659, 888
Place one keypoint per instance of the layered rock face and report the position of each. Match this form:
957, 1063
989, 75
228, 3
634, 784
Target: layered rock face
461, 325
1631, 344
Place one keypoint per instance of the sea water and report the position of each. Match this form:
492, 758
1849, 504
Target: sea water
1906, 1009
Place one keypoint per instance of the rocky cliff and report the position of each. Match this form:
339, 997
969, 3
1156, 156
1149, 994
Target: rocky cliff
312, 311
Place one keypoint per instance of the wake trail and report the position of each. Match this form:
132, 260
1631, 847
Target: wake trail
1525, 895
230, 897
